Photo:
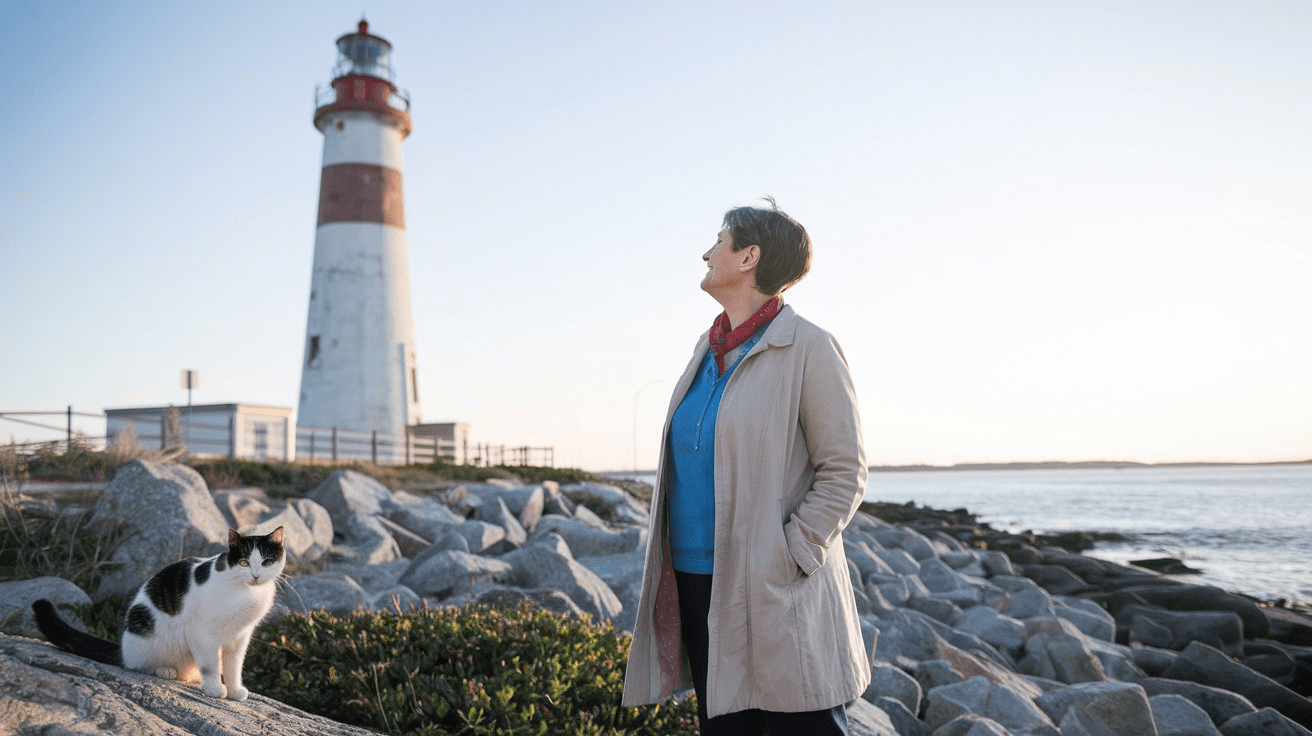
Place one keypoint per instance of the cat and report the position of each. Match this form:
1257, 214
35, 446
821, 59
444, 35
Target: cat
192, 617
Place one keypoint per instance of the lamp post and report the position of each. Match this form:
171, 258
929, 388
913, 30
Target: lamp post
637, 394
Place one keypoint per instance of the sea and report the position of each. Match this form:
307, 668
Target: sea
1246, 528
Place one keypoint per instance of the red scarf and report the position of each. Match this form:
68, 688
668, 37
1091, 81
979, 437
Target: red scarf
724, 339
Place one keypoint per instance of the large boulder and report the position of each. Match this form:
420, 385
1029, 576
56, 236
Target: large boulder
1165, 629
46, 690
539, 567
349, 493
1209, 666
1100, 709
1176, 715
16, 600
980, 696
448, 573
168, 514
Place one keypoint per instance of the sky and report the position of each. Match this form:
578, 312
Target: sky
1042, 231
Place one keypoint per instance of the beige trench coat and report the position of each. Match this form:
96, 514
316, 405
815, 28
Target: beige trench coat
790, 471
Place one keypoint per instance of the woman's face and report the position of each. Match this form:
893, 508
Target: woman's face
722, 264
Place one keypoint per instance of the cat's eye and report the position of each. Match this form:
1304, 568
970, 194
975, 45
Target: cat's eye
245, 563
267, 563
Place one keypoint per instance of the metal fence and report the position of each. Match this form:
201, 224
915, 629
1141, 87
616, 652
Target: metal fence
59, 430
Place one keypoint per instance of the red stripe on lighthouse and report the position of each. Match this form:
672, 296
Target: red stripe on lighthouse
361, 193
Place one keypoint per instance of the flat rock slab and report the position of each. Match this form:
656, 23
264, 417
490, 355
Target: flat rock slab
44, 689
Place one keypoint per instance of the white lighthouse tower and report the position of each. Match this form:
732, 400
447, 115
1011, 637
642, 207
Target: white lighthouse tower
359, 372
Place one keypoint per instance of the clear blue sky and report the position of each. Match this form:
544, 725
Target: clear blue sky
1043, 231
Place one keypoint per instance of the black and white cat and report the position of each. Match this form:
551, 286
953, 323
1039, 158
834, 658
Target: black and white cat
193, 617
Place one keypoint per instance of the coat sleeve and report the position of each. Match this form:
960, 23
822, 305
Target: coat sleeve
831, 425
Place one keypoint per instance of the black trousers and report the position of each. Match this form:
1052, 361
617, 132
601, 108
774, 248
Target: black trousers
694, 606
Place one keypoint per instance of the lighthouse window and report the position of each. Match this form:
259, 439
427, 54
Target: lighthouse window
314, 349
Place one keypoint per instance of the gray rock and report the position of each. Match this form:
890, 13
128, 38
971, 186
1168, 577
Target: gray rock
243, 507
1209, 666
912, 542
407, 542
49, 691
538, 567
365, 539
1025, 599
1220, 705
622, 573
864, 719
1176, 715
939, 609
623, 507
1100, 709
348, 493
426, 517
450, 573
1158, 627
168, 514
333, 592
1180, 597
481, 537
1153, 661
865, 560
1055, 579
980, 696
997, 563
887, 681
1265, 722
17, 597
396, 599
905, 722
1088, 617
1056, 650
898, 560
969, 724
496, 512
318, 522
373, 578
1003, 632
935, 673
585, 540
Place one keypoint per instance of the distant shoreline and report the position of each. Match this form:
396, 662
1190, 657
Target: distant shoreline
1077, 465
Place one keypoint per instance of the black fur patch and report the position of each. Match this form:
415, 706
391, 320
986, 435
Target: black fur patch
221, 564
168, 587
140, 620
202, 572
269, 549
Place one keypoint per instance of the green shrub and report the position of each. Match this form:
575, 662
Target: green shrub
476, 670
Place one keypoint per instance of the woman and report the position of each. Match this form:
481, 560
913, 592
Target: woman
746, 594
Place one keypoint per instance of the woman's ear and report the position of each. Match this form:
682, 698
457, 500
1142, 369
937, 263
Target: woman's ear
748, 258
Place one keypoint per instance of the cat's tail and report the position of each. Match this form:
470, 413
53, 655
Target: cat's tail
78, 642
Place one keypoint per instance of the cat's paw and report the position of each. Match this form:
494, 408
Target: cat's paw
216, 690
168, 673
238, 693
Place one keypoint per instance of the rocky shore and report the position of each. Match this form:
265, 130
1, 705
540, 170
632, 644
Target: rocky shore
972, 631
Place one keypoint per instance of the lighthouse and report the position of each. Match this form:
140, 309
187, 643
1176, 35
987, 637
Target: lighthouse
358, 373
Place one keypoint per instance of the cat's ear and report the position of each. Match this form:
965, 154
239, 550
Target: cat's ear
234, 538
275, 536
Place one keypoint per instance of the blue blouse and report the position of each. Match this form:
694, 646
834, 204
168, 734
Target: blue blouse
692, 462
